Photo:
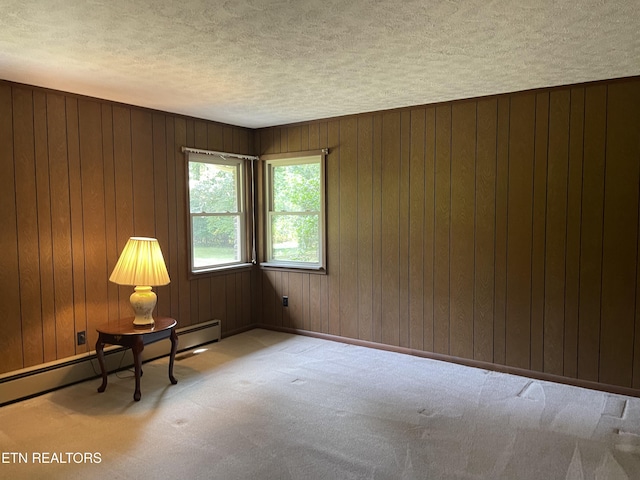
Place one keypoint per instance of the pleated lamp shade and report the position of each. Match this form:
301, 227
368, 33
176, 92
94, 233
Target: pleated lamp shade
141, 264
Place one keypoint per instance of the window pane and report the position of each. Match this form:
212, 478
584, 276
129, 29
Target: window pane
212, 188
296, 188
216, 240
295, 238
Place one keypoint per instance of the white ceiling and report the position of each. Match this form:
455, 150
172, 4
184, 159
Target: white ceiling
258, 63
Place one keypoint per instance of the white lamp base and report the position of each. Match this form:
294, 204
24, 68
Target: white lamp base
143, 300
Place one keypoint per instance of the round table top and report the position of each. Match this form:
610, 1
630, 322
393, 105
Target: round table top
125, 326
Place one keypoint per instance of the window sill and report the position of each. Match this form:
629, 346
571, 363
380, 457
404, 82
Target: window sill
292, 267
210, 272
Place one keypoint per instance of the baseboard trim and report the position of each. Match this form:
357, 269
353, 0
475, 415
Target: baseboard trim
603, 387
30, 382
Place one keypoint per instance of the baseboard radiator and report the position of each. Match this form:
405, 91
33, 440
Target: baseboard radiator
28, 382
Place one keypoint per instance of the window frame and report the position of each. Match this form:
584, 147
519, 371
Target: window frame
295, 158
241, 213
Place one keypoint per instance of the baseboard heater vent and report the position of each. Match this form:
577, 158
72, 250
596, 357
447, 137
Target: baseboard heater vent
29, 382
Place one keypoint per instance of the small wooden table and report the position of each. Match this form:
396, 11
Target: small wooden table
125, 334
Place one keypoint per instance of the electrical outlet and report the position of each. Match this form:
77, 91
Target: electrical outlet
285, 301
82, 337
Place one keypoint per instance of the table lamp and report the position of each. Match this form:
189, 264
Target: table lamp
141, 264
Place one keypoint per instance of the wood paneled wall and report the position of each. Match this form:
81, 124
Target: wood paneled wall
500, 229
78, 177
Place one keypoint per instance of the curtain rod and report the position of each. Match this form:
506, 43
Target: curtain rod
220, 154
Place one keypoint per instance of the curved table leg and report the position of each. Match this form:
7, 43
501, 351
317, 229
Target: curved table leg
100, 355
137, 348
174, 349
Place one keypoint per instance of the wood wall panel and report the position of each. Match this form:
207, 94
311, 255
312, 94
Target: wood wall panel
44, 226
376, 318
556, 235
462, 236
61, 226
92, 177
403, 230
11, 340
429, 227
390, 228
591, 232
417, 194
503, 229
161, 200
442, 233
78, 177
485, 213
123, 188
333, 228
519, 230
485, 229
348, 215
574, 207
364, 275
111, 208
539, 231
27, 226
77, 233
620, 240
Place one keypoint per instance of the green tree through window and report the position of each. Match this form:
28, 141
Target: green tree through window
216, 213
295, 211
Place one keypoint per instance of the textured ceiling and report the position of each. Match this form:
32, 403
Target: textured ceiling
258, 63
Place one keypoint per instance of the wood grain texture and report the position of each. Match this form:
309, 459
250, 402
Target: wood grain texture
61, 226
348, 244
463, 174
142, 174
11, 341
161, 210
591, 229
519, 230
429, 227
574, 207
556, 238
485, 213
376, 319
390, 228
184, 282
27, 227
539, 232
83, 175
442, 231
111, 208
416, 195
123, 190
538, 206
502, 229
333, 227
44, 226
231, 305
364, 274
173, 262
94, 217
620, 240
403, 230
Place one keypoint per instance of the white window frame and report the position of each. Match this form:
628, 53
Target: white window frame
241, 214
272, 161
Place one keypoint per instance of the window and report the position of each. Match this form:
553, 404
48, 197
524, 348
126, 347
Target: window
295, 212
216, 212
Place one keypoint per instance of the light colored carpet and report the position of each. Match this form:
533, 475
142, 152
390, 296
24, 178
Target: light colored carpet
268, 405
